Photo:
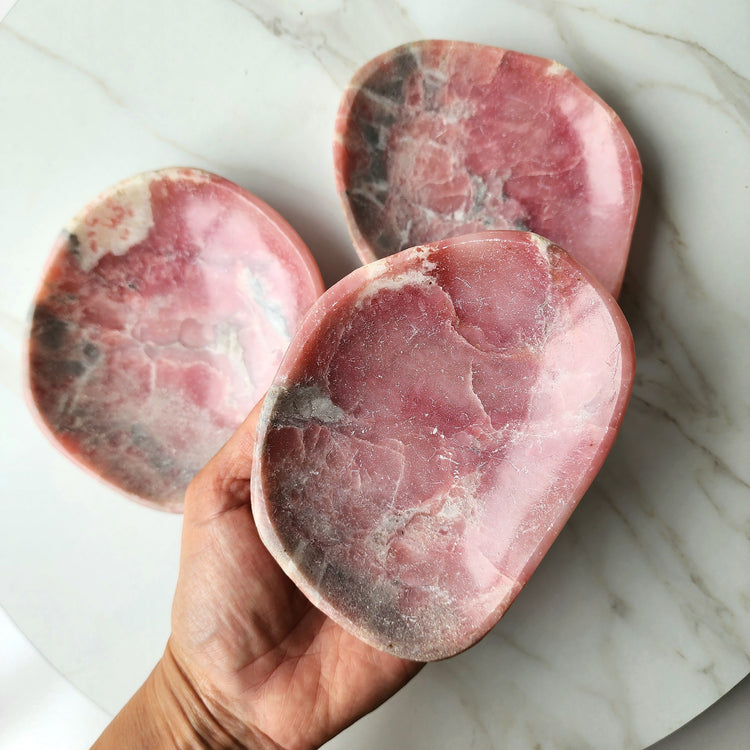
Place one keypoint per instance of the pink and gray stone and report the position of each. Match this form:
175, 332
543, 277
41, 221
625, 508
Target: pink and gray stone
437, 138
166, 307
434, 423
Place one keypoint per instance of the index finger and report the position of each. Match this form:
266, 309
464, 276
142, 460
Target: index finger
224, 483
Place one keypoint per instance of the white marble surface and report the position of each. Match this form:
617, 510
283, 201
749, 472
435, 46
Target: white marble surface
639, 618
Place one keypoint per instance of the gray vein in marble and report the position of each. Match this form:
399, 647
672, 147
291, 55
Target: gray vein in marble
552, 8
340, 40
672, 539
721, 510
542, 733
671, 381
478, 725
718, 103
614, 703
619, 701
106, 90
616, 698
302, 34
253, 180
700, 399
724, 625
733, 87
660, 412
680, 249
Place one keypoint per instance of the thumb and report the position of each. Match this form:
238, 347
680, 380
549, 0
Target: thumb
224, 483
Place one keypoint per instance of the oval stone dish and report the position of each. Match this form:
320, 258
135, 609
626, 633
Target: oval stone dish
437, 138
165, 309
434, 423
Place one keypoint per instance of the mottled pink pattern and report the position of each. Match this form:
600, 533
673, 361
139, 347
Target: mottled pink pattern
165, 310
437, 139
434, 423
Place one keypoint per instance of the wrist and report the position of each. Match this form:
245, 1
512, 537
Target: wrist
187, 721
167, 713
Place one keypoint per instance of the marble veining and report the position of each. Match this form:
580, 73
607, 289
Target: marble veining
732, 88
639, 616
330, 32
106, 89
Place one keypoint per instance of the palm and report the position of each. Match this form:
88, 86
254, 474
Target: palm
254, 646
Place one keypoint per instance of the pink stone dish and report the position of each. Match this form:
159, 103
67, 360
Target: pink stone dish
166, 307
434, 423
438, 138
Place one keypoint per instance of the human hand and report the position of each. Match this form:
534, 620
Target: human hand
251, 662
